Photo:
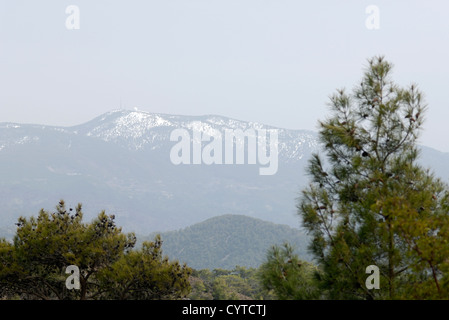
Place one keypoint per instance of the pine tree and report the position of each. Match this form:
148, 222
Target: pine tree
34, 265
369, 202
287, 276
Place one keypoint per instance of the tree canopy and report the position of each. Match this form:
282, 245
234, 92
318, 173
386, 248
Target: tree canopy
34, 265
369, 202
287, 276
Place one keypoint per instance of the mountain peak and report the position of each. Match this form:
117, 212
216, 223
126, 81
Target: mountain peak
136, 129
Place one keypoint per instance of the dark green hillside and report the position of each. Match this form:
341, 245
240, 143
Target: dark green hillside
229, 240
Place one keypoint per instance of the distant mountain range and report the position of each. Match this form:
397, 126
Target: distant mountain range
120, 162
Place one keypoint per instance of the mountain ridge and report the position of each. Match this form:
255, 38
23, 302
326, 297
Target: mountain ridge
124, 167
136, 129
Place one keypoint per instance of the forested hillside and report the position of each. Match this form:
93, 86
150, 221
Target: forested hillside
229, 240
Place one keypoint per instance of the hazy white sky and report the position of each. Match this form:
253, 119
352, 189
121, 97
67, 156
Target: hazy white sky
270, 61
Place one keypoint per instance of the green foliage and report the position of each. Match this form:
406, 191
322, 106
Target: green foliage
229, 240
370, 203
33, 266
240, 283
145, 274
426, 234
287, 276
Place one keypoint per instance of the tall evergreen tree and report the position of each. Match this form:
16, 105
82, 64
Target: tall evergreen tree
369, 202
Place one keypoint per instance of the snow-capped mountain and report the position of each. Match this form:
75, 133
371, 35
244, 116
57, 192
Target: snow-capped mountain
142, 130
120, 162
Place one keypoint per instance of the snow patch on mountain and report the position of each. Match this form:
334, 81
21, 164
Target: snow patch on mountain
141, 130
138, 130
